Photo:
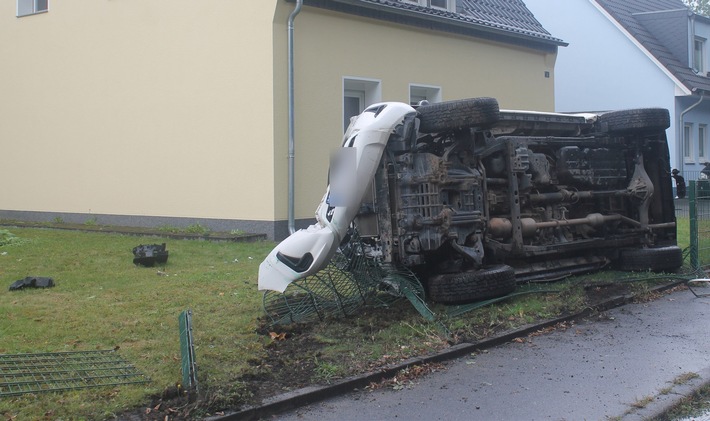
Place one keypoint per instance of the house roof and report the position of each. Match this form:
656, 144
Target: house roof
661, 27
506, 20
507, 15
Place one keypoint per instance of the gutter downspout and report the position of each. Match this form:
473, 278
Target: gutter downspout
681, 130
291, 129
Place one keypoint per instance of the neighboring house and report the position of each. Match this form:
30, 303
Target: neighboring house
176, 112
636, 54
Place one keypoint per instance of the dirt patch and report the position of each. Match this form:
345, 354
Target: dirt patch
300, 355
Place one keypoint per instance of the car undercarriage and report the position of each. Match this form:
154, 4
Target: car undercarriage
473, 199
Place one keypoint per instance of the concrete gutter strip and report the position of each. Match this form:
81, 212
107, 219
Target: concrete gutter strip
111, 229
662, 404
311, 394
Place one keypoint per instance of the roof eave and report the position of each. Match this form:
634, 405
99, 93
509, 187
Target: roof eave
466, 26
679, 85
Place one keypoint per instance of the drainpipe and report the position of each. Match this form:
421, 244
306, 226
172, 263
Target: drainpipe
291, 118
681, 130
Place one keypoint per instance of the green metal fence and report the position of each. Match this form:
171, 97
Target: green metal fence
699, 224
60, 371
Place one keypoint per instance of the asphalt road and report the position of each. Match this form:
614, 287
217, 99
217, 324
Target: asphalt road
621, 364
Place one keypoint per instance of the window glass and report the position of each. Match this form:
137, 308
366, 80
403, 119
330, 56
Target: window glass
422, 92
29, 7
357, 95
353, 104
702, 130
699, 55
25, 7
440, 4
687, 142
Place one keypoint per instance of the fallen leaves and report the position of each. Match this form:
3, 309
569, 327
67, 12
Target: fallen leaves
406, 376
278, 336
559, 326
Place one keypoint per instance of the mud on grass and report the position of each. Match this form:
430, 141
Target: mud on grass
300, 355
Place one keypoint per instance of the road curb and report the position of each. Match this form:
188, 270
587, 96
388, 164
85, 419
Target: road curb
311, 394
664, 403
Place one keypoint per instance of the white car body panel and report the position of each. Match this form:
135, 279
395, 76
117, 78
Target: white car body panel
309, 250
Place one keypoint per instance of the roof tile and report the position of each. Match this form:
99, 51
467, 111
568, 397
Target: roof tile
511, 16
661, 27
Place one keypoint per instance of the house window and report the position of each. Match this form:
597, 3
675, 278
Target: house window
353, 104
358, 94
699, 55
688, 143
439, 4
419, 93
702, 142
449, 5
30, 7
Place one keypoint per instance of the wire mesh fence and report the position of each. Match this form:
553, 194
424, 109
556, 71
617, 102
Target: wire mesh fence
61, 371
699, 234
699, 224
350, 281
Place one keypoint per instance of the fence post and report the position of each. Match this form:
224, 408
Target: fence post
693, 216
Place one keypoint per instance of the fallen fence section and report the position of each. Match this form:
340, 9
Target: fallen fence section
61, 371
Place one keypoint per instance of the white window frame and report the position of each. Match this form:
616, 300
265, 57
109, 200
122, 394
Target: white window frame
31, 7
450, 4
702, 142
688, 143
429, 92
368, 89
699, 55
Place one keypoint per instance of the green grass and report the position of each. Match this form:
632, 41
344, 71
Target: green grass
696, 405
102, 301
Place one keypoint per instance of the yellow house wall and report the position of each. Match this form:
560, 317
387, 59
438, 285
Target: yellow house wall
179, 108
132, 107
331, 46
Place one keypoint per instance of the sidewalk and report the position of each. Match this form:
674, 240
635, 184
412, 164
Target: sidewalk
629, 363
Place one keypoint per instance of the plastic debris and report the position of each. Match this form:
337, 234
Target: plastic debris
32, 282
149, 255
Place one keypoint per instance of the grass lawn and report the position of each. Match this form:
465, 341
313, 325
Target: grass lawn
102, 301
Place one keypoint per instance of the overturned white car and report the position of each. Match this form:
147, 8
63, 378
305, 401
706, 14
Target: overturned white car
473, 199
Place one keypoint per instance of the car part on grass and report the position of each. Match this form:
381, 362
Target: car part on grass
32, 282
149, 255
187, 353
61, 371
461, 187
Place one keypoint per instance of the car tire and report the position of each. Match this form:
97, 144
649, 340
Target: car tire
467, 287
654, 259
643, 119
459, 114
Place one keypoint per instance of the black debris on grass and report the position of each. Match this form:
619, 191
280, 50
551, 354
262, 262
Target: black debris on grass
149, 255
32, 282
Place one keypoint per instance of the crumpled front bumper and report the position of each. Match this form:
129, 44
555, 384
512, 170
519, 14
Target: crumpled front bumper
309, 250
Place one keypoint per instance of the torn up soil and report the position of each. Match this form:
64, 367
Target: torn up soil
300, 355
